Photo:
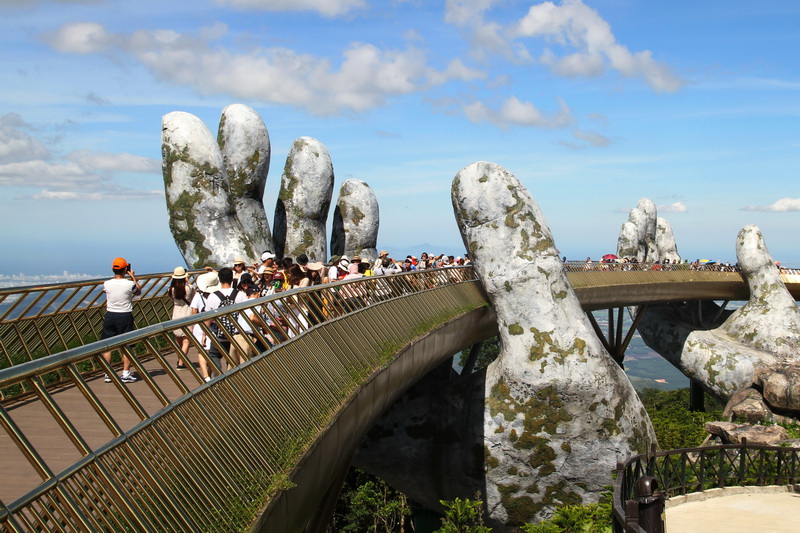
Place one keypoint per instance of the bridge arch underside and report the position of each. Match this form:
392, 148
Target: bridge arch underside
320, 472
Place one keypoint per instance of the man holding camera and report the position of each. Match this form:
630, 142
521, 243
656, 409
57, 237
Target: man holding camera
119, 310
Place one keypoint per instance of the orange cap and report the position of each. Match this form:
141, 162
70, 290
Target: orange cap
119, 263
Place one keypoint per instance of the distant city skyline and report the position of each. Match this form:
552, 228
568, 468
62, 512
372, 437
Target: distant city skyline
592, 104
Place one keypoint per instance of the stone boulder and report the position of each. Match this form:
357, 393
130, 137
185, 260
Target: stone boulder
356, 219
730, 433
748, 406
559, 412
301, 212
780, 386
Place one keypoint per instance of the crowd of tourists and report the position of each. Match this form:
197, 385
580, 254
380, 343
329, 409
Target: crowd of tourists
633, 264
240, 281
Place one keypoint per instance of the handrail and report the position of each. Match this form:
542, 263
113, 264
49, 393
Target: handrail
41, 320
687, 470
163, 452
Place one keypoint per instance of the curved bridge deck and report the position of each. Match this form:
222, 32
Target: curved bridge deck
268, 437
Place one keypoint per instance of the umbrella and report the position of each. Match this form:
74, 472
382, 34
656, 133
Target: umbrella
709, 261
609, 257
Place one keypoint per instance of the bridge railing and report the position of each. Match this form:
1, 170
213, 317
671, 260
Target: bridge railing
173, 452
679, 472
42, 320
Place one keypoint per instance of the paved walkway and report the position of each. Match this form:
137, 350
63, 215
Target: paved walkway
760, 510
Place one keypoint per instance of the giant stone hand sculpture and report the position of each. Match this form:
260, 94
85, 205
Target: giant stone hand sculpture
214, 187
546, 423
559, 411
646, 236
761, 336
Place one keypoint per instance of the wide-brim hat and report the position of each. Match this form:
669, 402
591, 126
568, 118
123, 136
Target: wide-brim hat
334, 260
179, 273
208, 282
315, 266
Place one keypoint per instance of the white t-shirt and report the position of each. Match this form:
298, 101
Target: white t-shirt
119, 295
213, 301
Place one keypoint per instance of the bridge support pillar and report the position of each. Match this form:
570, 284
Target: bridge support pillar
614, 342
696, 396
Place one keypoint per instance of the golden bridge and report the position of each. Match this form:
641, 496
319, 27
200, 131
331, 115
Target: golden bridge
265, 445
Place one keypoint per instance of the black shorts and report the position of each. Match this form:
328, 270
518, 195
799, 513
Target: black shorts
117, 324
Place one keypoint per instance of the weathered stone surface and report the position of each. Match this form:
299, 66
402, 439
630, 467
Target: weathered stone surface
640, 239
646, 236
665, 241
763, 333
304, 200
202, 216
244, 141
356, 219
731, 433
780, 386
559, 412
747, 406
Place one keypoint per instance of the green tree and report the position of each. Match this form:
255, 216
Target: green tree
368, 504
675, 425
490, 349
462, 516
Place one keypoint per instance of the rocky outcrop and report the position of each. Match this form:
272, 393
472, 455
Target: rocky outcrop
646, 236
304, 200
730, 433
202, 193
356, 219
559, 412
761, 336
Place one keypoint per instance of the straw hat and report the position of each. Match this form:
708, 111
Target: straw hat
179, 273
208, 282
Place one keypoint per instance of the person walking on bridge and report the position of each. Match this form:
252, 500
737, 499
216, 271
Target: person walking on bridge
119, 310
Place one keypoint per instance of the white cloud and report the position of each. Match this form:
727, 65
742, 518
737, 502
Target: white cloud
677, 207
573, 25
108, 162
456, 70
15, 144
781, 206
463, 12
592, 137
366, 78
80, 38
514, 112
328, 8
25, 163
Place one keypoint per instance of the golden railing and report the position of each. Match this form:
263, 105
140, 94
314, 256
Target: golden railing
174, 453
46, 319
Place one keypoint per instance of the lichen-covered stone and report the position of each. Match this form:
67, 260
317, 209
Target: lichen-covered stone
559, 411
356, 219
201, 211
646, 236
245, 146
665, 241
303, 201
762, 334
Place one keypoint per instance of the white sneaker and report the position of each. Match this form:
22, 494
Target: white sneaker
129, 378
207, 379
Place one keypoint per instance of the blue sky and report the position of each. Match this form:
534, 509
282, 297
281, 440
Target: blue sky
592, 105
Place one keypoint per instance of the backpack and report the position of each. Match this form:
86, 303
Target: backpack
227, 321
